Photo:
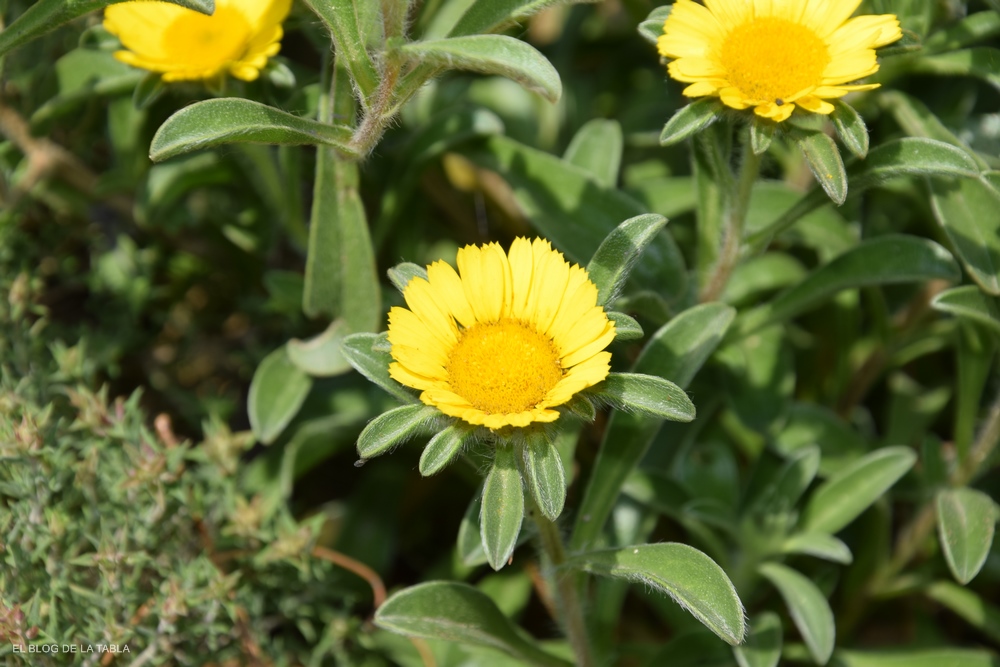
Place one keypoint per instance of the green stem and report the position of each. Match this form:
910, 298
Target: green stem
566, 595
735, 222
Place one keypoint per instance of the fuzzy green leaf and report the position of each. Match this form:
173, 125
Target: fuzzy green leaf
979, 613
844, 496
597, 149
647, 394
761, 134
687, 575
690, 120
652, 27
626, 328
366, 354
807, 606
401, 274
582, 407
820, 545
966, 208
393, 428
491, 54
277, 391
966, 521
233, 120
344, 20
763, 645
321, 356
443, 448
618, 253
781, 491
459, 613
850, 128
502, 507
544, 475
824, 160
934, 657
969, 302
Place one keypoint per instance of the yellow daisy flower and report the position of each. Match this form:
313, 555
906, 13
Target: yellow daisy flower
774, 55
185, 45
505, 341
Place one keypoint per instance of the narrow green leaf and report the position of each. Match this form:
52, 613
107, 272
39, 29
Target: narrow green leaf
502, 507
677, 351
820, 545
626, 328
344, 20
647, 394
652, 27
491, 54
883, 260
761, 134
807, 606
969, 302
783, 488
759, 374
844, 496
687, 575
762, 273
982, 62
966, 209
148, 90
618, 253
850, 128
401, 274
981, 614
763, 644
321, 356
825, 162
582, 407
443, 448
360, 350
811, 425
597, 149
233, 120
482, 17
47, 15
934, 657
918, 120
968, 30
459, 613
966, 521
544, 475
975, 350
277, 391
690, 120
393, 428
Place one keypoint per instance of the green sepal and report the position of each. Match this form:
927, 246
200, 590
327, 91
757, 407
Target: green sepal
646, 394
690, 120
582, 407
368, 354
443, 448
544, 474
502, 508
148, 90
393, 428
626, 328
908, 43
823, 156
761, 134
611, 264
401, 274
851, 129
651, 29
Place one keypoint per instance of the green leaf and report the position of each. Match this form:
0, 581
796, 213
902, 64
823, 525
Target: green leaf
807, 606
360, 350
277, 391
760, 274
148, 90
690, 120
759, 373
647, 394
456, 612
966, 520
782, 489
763, 644
443, 448
651, 28
687, 575
597, 149
761, 134
969, 302
46, 15
968, 30
883, 260
918, 120
626, 328
233, 120
825, 162
582, 407
810, 424
544, 475
820, 545
490, 54
850, 128
677, 351
401, 274
495, 15
844, 496
343, 18
502, 507
618, 253
966, 209
982, 62
935, 657
393, 428
982, 615
321, 356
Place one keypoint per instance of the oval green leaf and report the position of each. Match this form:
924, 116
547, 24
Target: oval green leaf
966, 209
966, 521
690, 120
277, 391
820, 545
626, 328
401, 274
969, 302
233, 120
844, 496
647, 394
824, 160
977, 612
322, 355
687, 575
366, 354
502, 507
763, 645
597, 149
544, 475
618, 253
393, 428
850, 128
442, 449
807, 606
652, 27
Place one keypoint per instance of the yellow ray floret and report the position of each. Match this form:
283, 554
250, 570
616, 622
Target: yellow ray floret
774, 55
185, 45
503, 341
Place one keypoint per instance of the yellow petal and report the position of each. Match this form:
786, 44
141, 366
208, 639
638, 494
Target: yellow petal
450, 292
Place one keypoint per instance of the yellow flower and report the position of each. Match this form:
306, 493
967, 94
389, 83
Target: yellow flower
185, 45
514, 336
774, 55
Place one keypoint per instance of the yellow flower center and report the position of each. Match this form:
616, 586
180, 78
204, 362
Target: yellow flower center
503, 367
768, 59
208, 40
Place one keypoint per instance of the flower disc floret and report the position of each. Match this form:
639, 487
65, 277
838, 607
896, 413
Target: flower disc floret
186, 45
504, 340
774, 55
